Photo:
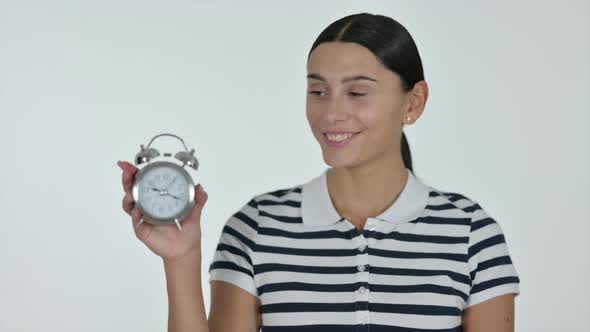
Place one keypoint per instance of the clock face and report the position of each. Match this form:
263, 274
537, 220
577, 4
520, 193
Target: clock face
164, 191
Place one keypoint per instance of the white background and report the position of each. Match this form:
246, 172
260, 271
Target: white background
83, 83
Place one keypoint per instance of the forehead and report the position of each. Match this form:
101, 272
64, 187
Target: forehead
334, 59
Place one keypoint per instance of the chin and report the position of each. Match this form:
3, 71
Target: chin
335, 161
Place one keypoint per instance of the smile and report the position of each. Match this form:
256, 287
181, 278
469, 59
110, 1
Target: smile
339, 139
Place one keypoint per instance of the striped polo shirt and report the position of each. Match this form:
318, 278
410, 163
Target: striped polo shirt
414, 267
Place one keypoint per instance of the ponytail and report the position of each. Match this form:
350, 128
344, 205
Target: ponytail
406, 155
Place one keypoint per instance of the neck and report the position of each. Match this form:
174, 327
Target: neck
366, 190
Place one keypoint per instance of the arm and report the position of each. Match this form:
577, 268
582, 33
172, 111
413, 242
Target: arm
495, 282
235, 304
232, 309
186, 310
181, 254
493, 315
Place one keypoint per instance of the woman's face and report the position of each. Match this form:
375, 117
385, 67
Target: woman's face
355, 106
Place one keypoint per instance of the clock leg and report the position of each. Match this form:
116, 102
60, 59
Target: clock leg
178, 224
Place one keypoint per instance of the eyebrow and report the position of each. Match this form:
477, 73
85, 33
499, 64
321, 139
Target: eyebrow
317, 76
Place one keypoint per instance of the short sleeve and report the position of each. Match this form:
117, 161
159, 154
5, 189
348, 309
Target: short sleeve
491, 269
232, 261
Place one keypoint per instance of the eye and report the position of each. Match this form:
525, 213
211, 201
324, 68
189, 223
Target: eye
315, 92
357, 94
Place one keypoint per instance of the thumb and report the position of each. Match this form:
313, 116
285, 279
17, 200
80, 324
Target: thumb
201, 197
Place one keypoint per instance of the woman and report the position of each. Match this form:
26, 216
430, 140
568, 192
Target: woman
364, 246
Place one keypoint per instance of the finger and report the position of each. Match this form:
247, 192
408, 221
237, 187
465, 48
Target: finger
135, 216
128, 176
201, 198
127, 181
142, 229
126, 166
128, 202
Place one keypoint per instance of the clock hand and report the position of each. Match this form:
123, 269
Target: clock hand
165, 193
175, 197
169, 184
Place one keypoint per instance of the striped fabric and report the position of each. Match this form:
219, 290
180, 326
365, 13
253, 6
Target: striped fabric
415, 267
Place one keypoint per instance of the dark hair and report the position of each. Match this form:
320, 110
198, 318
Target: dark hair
390, 42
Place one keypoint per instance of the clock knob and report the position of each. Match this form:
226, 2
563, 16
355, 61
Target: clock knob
188, 158
145, 155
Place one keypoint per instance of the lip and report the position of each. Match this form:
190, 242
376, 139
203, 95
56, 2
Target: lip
341, 143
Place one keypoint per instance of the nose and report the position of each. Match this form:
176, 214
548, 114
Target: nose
336, 110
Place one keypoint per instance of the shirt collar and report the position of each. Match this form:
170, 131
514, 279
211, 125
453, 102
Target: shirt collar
318, 210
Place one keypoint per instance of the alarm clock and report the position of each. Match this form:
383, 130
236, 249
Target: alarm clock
163, 190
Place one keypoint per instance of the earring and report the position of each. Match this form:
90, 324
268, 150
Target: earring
408, 118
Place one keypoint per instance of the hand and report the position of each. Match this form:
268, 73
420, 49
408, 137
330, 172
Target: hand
165, 241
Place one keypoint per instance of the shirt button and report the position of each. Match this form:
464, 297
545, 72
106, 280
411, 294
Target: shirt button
361, 268
362, 290
362, 247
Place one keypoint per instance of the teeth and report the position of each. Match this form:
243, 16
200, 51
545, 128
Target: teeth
339, 137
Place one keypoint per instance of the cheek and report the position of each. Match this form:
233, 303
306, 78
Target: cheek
374, 119
312, 112
379, 123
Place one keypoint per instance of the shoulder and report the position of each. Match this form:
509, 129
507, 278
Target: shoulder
289, 196
451, 200
455, 200
490, 266
280, 204
463, 205
485, 232
280, 196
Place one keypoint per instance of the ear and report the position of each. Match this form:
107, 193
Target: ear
417, 98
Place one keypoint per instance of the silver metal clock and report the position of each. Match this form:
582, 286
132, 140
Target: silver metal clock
164, 191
